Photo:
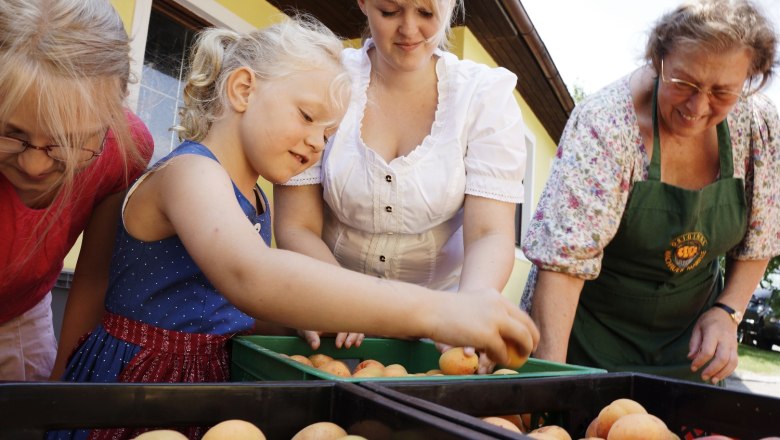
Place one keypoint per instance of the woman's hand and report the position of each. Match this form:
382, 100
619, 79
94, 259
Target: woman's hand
346, 340
714, 340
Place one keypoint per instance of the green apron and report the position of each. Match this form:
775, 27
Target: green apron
661, 271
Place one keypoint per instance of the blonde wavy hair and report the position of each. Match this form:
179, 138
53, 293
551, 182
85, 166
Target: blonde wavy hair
296, 44
72, 57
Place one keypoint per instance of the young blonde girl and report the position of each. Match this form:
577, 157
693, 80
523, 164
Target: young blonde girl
192, 264
68, 148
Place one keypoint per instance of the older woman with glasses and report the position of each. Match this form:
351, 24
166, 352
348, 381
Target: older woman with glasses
657, 177
68, 149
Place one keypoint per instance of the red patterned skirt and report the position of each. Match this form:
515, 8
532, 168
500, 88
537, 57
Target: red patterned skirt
166, 356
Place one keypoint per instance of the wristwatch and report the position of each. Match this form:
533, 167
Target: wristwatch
735, 315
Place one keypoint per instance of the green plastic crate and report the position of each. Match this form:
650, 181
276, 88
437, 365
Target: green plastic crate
260, 358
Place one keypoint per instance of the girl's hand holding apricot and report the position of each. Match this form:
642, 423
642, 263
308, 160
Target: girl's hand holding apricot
486, 321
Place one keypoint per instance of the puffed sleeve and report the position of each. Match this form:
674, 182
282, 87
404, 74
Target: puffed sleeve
584, 198
760, 128
310, 176
495, 152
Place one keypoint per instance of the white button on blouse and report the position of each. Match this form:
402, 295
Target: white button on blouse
403, 220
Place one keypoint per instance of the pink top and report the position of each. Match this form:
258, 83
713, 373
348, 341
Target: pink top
20, 225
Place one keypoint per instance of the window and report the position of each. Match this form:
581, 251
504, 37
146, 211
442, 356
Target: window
170, 34
524, 210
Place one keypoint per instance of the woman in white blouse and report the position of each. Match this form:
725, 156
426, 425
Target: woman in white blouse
421, 180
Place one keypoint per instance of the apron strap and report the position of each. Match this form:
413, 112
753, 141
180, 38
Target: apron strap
724, 146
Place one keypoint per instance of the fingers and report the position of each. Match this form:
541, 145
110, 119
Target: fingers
312, 338
469, 351
722, 365
486, 366
442, 347
714, 344
694, 346
349, 339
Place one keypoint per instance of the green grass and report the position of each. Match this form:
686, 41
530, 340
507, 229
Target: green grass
756, 360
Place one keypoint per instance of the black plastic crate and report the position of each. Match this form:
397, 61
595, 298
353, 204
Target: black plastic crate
279, 409
572, 402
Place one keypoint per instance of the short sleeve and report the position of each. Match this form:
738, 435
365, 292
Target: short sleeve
758, 130
310, 176
584, 198
496, 151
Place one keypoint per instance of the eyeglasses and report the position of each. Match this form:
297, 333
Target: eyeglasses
688, 89
15, 146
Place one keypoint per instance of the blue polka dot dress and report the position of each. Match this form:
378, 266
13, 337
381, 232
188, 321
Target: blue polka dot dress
158, 283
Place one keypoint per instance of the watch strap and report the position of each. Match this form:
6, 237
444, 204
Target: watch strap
735, 316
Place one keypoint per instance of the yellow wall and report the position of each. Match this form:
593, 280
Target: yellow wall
125, 9
259, 13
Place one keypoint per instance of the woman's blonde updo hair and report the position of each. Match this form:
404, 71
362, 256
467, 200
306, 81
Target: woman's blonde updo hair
717, 26
294, 45
72, 57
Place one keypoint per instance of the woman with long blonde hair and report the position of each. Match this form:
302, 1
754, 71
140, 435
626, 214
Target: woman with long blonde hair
68, 148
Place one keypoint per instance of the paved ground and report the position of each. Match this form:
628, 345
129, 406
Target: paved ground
755, 383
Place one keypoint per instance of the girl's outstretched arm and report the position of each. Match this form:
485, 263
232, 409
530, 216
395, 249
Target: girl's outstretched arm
196, 197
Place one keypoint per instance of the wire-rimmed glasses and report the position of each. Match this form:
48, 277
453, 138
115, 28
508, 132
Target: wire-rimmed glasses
15, 146
688, 89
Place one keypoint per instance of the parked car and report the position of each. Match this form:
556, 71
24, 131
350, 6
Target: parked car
760, 325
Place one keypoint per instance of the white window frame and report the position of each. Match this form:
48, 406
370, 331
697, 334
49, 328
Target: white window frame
208, 10
528, 188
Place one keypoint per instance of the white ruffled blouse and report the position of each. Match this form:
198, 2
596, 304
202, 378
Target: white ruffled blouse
404, 219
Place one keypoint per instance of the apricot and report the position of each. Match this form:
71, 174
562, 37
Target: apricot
366, 363
302, 359
516, 420
234, 430
592, 430
336, 368
433, 372
552, 431
541, 436
395, 370
517, 358
320, 431
638, 426
455, 362
502, 422
161, 434
614, 411
318, 359
370, 371
372, 429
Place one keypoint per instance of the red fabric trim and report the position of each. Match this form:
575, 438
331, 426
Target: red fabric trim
166, 356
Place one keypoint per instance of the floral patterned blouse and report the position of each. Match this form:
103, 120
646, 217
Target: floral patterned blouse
600, 157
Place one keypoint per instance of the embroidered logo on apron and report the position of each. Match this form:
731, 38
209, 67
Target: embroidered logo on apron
686, 253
